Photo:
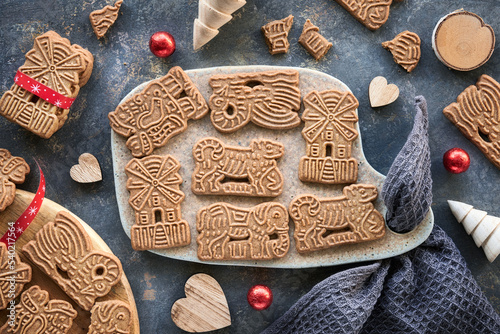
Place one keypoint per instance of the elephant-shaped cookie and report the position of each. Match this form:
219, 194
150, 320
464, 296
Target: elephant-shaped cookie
227, 232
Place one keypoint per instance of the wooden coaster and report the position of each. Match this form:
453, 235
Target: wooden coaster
382, 94
462, 41
87, 170
204, 308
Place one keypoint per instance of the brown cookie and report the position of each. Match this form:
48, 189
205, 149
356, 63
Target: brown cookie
36, 313
475, 114
12, 171
330, 128
405, 49
276, 35
63, 250
371, 13
13, 275
155, 196
234, 170
227, 232
60, 66
269, 99
110, 317
313, 41
327, 222
104, 18
159, 112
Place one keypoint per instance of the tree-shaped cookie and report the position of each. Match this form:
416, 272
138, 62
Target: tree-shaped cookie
104, 18
12, 171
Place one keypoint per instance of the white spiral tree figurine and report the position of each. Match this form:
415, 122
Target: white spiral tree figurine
485, 229
212, 14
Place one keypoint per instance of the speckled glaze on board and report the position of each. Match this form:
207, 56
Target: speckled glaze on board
180, 147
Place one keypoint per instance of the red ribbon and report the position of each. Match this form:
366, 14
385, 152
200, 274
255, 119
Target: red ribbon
42, 91
16, 229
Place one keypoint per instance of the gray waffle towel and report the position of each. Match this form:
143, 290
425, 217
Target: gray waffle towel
427, 290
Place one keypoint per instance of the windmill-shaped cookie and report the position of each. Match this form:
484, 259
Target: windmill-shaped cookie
52, 65
153, 183
330, 128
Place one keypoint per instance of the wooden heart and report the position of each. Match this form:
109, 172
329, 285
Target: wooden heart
87, 170
382, 94
204, 308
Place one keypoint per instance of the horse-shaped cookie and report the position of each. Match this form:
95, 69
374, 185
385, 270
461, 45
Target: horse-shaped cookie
63, 250
328, 222
233, 170
227, 232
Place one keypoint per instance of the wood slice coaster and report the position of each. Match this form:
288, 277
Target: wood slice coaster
462, 41
48, 211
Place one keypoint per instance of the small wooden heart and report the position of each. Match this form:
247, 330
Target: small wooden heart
204, 308
382, 94
87, 170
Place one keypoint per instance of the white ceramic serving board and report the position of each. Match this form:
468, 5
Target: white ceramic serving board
181, 145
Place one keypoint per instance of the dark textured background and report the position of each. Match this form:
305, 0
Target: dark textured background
123, 60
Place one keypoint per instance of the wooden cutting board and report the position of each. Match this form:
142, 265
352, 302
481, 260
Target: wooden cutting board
48, 211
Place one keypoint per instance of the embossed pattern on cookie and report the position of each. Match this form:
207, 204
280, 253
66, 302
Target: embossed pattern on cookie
313, 41
160, 111
155, 196
477, 115
269, 99
276, 35
104, 18
11, 270
330, 128
405, 49
371, 13
234, 170
328, 222
110, 317
227, 232
57, 64
36, 313
12, 171
63, 250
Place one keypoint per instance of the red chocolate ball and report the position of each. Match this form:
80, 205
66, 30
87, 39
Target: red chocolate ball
456, 160
162, 44
259, 297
